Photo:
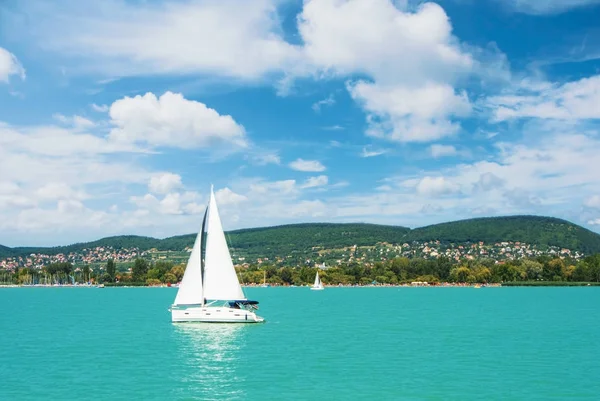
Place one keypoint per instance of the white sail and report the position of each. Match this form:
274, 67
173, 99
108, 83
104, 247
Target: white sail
220, 279
190, 288
317, 281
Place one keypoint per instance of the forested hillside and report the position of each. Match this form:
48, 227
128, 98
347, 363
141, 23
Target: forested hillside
287, 239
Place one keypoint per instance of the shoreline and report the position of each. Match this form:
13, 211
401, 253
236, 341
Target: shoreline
412, 285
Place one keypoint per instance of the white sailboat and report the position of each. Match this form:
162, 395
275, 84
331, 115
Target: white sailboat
209, 290
318, 285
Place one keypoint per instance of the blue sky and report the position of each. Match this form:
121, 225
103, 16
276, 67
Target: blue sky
116, 117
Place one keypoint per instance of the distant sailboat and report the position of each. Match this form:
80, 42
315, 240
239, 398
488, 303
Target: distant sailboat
318, 285
210, 290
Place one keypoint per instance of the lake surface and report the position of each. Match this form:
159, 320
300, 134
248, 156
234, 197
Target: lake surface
337, 344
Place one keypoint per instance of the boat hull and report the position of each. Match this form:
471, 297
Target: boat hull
214, 314
317, 288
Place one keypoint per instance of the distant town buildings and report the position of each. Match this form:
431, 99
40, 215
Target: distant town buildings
317, 256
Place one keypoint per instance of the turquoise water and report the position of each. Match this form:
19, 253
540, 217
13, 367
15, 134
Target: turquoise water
341, 343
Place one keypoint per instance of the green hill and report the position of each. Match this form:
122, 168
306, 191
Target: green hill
541, 231
288, 239
6, 251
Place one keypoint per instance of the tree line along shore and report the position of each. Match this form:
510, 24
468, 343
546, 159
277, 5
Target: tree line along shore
542, 270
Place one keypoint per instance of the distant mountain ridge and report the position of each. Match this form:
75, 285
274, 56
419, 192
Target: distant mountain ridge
286, 239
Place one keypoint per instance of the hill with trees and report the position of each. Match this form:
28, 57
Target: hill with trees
302, 238
541, 231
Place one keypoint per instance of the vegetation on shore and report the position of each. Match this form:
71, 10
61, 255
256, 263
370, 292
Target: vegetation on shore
399, 270
276, 241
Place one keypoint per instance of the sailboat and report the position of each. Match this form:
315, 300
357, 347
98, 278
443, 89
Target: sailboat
210, 290
318, 285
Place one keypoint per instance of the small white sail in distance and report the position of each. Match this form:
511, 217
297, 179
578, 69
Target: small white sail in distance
190, 289
318, 285
220, 280
317, 281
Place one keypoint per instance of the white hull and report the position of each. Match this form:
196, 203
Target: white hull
214, 314
317, 288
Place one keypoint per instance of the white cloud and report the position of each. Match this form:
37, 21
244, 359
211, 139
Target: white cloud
226, 196
278, 188
77, 122
405, 53
569, 101
227, 38
402, 114
172, 203
163, 183
10, 65
49, 153
52, 175
60, 191
66, 217
411, 59
438, 150
372, 153
436, 186
307, 165
593, 201
317, 181
99, 108
539, 7
594, 222
328, 101
347, 37
265, 158
171, 120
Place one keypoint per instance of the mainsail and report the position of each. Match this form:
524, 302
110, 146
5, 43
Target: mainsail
220, 280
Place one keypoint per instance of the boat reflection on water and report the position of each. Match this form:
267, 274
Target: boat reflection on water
210, 355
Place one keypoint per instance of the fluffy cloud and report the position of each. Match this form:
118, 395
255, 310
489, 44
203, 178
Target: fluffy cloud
77, 122
436, 186
51, 174
227, 38
173, 203
346, 37
171, 120
47, 153
277, 188
9, 65
264, 158
163, 183
407, 55
411, 58
226, 196
538, 7
314, 166
437, 150
60, 191
318, 181
406, 114
569, 101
